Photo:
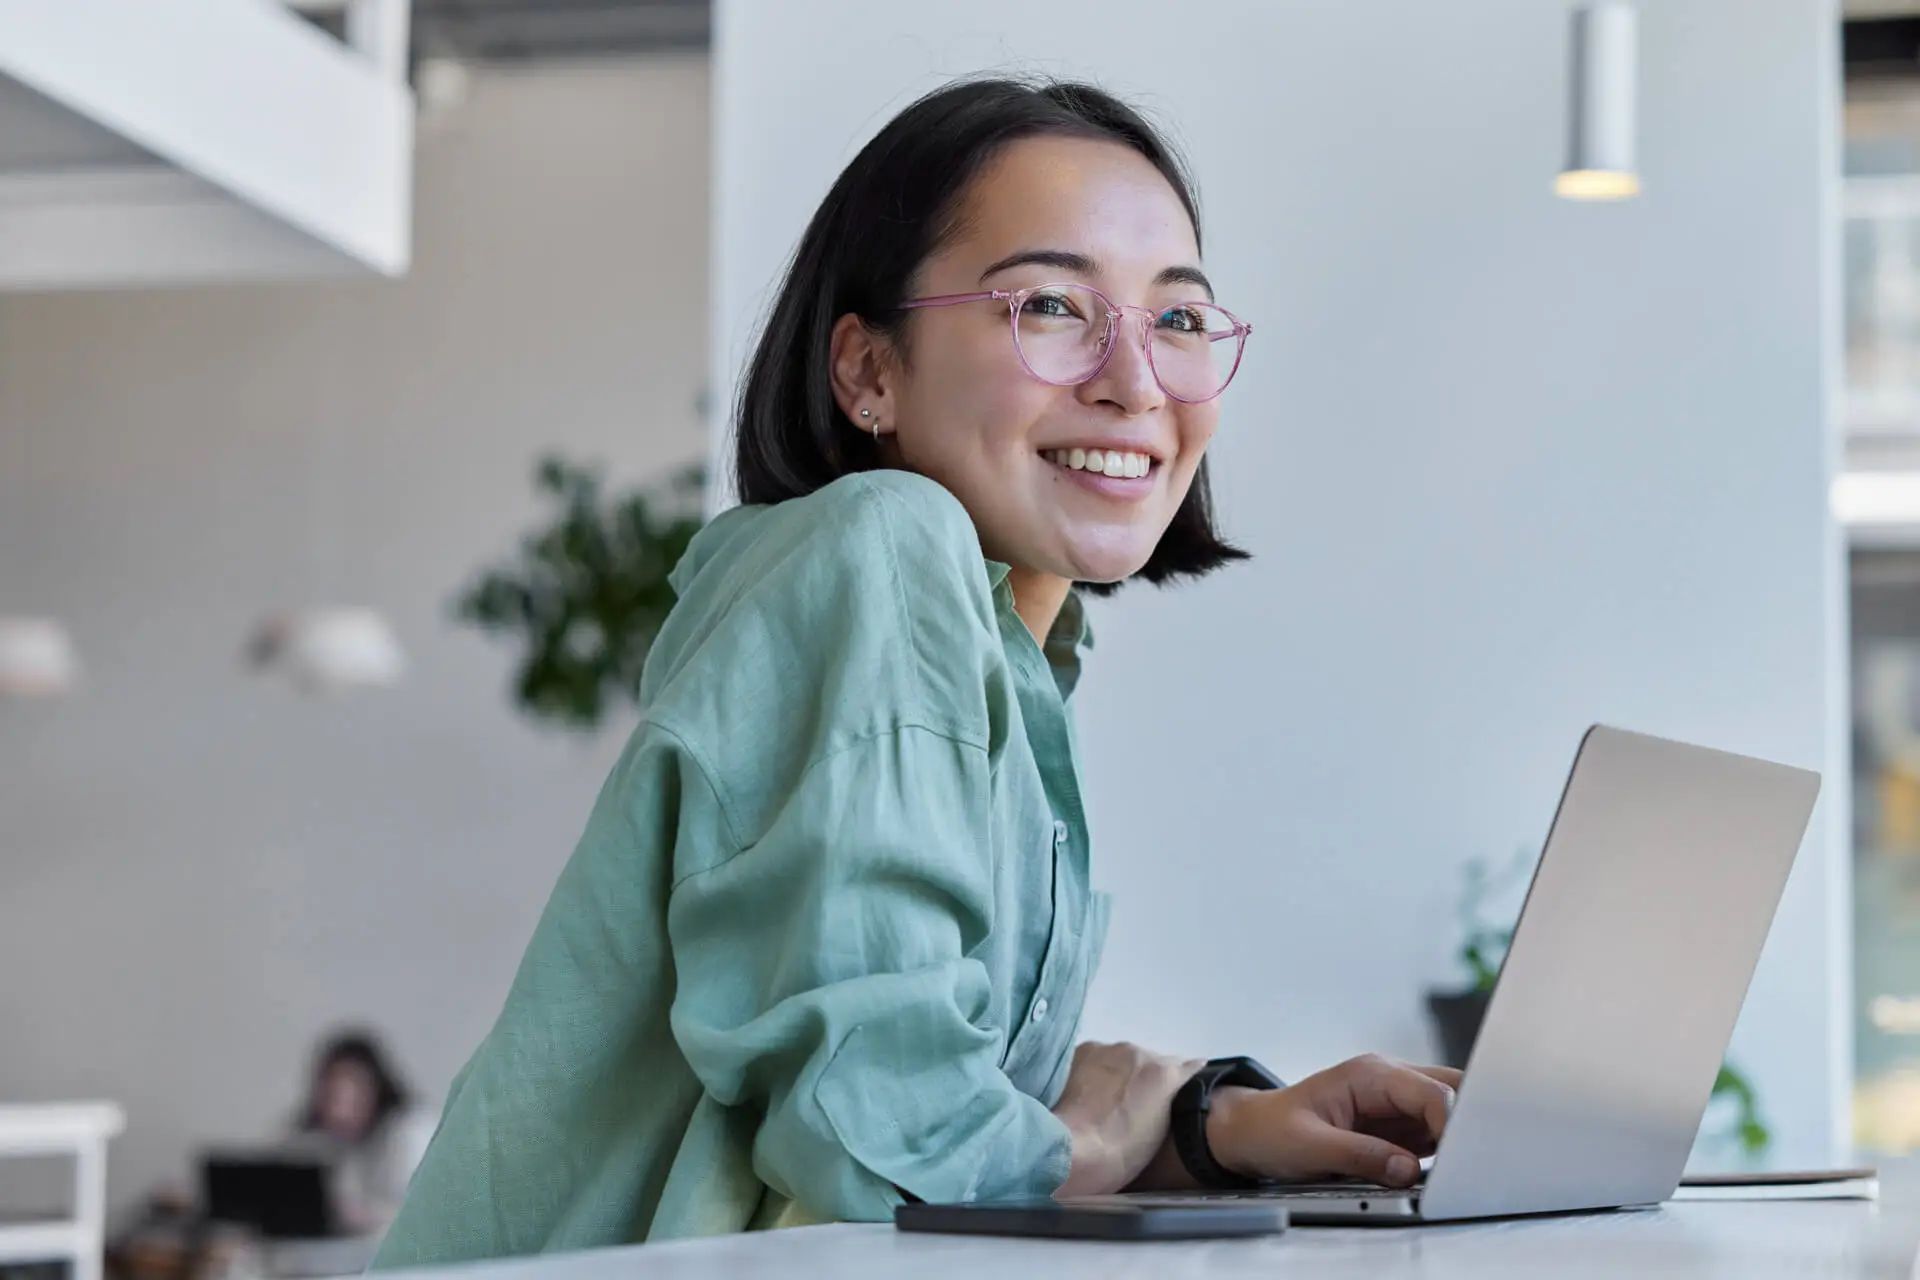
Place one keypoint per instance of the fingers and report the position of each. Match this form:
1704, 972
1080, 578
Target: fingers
1105, 1076
1388, 1091
1117, 1105
1131, 1057
1367, 1118
1347, 1154
1448, 1076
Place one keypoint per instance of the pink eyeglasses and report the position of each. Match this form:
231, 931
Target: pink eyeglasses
1065, 334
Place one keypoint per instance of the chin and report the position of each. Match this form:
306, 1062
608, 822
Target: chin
1108, 565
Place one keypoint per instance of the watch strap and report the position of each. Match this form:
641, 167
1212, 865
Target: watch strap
1194, 1103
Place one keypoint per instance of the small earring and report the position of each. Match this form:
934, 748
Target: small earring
868, 413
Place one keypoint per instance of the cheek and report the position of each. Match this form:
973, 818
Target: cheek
970, 402
1195, 424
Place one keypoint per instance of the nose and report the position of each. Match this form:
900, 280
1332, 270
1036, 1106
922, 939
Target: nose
1127, 380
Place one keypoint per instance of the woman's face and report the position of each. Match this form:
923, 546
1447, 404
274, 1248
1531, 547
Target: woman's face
963, 410
349, 1096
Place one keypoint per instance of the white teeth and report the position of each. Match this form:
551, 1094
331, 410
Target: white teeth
1118, 463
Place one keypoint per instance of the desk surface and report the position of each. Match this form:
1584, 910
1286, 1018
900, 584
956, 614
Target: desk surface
1743, 1240
1750, 1240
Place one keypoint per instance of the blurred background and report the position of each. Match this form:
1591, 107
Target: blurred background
360, 366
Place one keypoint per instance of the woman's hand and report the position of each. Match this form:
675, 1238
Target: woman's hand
1368, 1118
1116, 1104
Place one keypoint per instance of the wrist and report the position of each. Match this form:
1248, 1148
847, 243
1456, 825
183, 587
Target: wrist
1214, 1120
1227, 1129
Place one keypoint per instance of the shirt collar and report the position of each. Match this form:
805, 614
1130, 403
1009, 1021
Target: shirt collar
1070, 636
1072, 632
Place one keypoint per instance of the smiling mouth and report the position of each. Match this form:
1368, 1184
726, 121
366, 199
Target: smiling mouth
1118, 464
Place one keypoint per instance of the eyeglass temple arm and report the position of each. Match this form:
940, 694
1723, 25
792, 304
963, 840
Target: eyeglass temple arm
954, 299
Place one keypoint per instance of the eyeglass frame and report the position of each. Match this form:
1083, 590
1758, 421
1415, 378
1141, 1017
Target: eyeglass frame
1116, 311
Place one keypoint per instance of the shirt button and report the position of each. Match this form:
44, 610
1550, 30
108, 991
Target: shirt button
1039, 1008
1059, 832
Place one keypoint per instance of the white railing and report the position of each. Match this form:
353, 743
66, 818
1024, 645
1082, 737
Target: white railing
81, 1131
270, 150
378, 29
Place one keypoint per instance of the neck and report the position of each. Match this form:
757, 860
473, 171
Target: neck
1037, 598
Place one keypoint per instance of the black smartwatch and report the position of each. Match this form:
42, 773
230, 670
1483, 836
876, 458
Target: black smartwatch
1190, 1109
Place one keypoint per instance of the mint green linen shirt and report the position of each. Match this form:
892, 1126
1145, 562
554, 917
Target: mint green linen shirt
829, 930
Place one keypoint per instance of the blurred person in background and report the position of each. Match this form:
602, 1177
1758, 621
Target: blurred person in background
356, 1118
360, 1121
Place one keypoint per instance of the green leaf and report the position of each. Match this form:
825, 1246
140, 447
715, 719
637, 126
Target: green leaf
587, 593
1750, 1128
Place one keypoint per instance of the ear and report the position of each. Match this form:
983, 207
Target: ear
862, 367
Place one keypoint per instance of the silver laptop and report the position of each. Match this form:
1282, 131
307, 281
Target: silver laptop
1630, 962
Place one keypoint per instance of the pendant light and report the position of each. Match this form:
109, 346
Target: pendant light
37, 659
326, 647
329, 650
1601, 107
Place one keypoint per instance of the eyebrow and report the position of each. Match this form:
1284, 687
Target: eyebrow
1081, 264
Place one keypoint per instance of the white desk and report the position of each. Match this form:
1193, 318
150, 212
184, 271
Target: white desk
1737, 1241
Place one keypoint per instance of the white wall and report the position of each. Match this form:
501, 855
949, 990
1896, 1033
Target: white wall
200, 871
1510, 466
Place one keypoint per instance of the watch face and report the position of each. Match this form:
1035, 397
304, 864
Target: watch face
1245, 1072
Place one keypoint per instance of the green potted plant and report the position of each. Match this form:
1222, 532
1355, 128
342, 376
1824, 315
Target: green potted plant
1457, 1013
588, 591
1748, 1128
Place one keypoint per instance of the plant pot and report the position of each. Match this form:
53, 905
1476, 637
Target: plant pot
1456, 1020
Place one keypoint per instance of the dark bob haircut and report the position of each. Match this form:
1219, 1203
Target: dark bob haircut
361, 1048
890, 210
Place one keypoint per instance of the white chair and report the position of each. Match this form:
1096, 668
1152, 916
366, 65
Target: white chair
80, 1130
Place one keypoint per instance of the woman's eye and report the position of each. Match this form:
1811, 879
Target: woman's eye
1184, 320
1049, 304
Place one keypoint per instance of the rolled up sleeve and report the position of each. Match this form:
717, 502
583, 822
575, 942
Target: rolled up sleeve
824, 980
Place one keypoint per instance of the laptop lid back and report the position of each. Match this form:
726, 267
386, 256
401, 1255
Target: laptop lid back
1632, 957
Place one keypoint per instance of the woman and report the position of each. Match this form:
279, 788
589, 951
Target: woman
359, 1120
826, 938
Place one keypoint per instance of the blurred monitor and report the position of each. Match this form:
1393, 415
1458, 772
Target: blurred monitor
280, 1197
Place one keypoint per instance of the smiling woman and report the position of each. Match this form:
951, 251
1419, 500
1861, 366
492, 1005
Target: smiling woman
1048, 205
826, 939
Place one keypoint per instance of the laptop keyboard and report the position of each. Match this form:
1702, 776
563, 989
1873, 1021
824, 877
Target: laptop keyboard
1339, 1193
1315, 1191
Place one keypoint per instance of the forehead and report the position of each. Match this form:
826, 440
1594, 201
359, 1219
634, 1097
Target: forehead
1099, 198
